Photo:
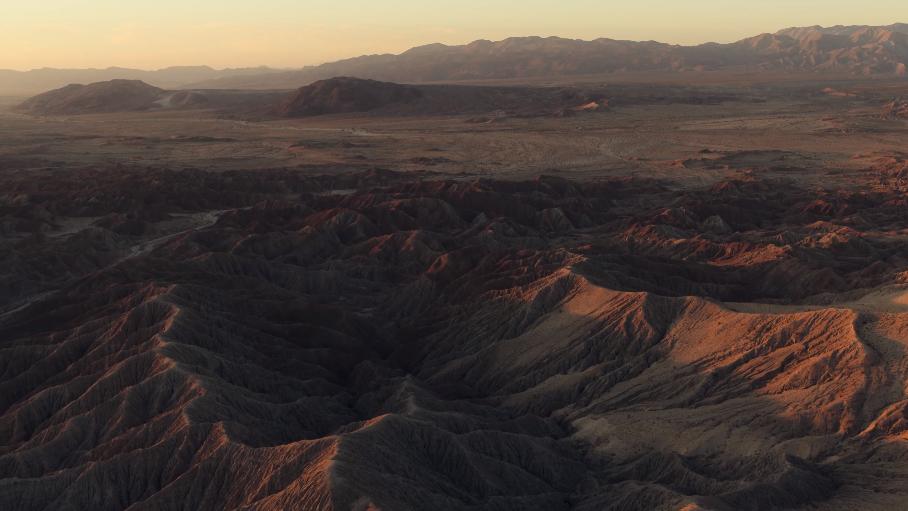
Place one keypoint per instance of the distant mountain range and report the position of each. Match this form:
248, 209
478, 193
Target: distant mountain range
858, 50
40, 80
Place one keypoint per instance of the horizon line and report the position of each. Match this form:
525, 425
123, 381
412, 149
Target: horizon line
401, 52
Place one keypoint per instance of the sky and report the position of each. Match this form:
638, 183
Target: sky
151, 34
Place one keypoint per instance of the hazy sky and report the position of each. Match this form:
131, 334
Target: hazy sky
293, 33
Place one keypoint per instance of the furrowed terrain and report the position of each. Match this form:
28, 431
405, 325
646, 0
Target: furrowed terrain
694, 299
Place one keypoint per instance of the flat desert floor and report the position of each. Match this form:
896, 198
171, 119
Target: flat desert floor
805, 131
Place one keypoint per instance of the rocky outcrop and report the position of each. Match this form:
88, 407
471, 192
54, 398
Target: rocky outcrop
895, 109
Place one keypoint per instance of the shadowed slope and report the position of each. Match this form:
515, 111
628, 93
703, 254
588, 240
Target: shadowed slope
456, 345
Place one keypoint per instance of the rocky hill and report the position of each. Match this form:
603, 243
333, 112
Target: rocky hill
333, 96
349, 95
136, 96
101, 97
344, 95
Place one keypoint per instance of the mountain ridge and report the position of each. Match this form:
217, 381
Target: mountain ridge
859, 50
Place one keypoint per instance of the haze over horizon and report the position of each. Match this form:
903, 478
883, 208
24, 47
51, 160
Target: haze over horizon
287, 34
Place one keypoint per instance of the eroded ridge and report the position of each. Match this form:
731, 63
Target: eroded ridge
391, 341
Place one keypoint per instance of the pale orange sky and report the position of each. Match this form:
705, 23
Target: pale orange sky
286, 33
